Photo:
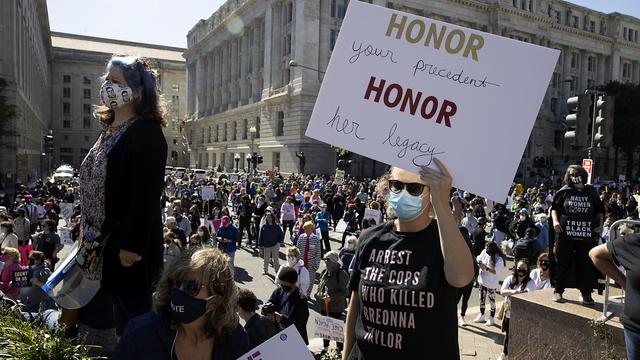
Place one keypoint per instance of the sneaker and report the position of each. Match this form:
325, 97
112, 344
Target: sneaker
587, 300
479, 319
557, 297
490, 321
461, 321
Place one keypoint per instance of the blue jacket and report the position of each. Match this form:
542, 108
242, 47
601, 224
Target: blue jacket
542, 240
148, 336
230, 233
323, 225
270, 235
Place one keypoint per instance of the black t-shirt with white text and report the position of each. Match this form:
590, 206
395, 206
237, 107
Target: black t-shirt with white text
407, 307
626, 252
578, 212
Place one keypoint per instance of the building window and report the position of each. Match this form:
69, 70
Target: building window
554, 105
591, 83
224, 134
209, 135
175, 87
87, 81
592, 26
287, 45
86, 122
66, 108
626, 70
275, 160
66, 92
523, 4
202, 137
591, 63
87, 93
280, 123
624, 33
66, 79
574, 84
555, 80
86, 139
338, 8
245, 129
66, 150
257, 127
333, 38
66, 138
575, 21
558, 17
574, 60
217, 133
86, 108
234, 131
515, 3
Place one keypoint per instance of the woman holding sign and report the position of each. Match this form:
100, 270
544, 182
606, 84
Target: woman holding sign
406, 271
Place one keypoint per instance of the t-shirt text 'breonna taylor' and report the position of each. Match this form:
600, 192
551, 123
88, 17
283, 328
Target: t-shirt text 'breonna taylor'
407, 307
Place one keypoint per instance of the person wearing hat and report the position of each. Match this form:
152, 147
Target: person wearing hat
310, 249
227, 235
172, 225
332, 292
524, 222
288, 216
323, 218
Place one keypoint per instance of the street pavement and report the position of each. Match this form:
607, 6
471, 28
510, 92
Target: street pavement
477, 341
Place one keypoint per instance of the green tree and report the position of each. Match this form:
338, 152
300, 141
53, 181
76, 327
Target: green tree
626, 119
8, 112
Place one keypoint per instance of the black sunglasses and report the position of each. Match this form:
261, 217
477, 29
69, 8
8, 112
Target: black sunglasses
191, 287
414, 189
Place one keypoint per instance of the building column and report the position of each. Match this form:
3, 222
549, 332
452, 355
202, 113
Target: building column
615, 64
210, 82
205, 84
584, 63
244, 69
233, 80
224, 88
217, 80
305, 50
635, 72
199, 86
566, 75
266, 71
191, 87
601, 78
256, 87
276, 47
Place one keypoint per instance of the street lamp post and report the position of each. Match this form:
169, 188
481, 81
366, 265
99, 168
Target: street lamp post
248, 159
252, 134
237, 159
294, 63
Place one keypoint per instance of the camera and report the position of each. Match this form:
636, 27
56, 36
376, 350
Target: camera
268, 309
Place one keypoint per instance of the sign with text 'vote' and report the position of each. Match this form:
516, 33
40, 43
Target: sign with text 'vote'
404, 89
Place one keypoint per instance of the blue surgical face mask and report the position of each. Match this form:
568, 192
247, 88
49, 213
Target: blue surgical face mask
186, 309
406, 206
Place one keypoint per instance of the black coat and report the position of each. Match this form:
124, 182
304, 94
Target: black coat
133, 187
294, 310
259, 329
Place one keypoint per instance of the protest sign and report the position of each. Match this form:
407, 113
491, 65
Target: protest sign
66, 210
214, 225
20, 278
329, 328
65, 235
286, 345
404, 89
207, 192
372, 214
339, 178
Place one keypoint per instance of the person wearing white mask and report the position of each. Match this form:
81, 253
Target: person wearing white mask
294, 261
420, 252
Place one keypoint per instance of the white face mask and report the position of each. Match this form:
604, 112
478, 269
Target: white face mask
114, 95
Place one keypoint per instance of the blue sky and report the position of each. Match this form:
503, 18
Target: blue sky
166, 22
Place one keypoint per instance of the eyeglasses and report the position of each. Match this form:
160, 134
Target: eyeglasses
414, 189
191, 287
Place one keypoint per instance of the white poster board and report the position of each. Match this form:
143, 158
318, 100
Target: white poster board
403, 89
329, 328
65, 235
66, 210
286, 345
374, 214
339, 178
207, 193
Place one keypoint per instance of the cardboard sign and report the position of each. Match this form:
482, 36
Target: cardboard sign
20, 278
372, 214
403, 89
338, 179
207, 193
286, 345
329, 328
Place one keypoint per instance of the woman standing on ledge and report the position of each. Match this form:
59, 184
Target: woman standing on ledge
406, 271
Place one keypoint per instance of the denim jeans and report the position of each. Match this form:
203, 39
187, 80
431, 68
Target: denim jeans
632, 339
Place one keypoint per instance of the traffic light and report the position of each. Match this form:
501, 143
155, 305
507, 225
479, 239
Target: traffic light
578, 120
342, 164
259, 159
604, 121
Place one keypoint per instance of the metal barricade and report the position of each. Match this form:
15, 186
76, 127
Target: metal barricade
613, 235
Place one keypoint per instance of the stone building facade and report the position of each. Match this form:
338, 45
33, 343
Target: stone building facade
238, 73
78, 63
25, 65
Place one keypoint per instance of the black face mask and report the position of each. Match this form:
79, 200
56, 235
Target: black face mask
286, 288
575, 180
167, 241
544, 265
522, 273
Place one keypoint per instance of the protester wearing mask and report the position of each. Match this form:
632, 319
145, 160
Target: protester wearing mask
48, 242
491, 262
311, 252
469, 221
347, 253
259, 329
194, 314
171, 250
8, 238
289, 304
226, 239
540, 275
351, 218
542, 240
577, 214
11, 259
32, 297
524, 222
23, 228
172, 225
245, 213
182, 221
323, 218
205, 235
294, 261
195, 242
516, 283
270, 239
288, 216
431, 255
332, 292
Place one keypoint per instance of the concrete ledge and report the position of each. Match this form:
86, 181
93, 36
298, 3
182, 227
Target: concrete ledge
543, 329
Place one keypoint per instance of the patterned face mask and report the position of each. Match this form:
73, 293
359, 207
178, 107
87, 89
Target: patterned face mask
113, 95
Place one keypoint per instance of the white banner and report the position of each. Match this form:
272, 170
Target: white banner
373, 214
339, 178
329, 328
286, 345
403, 89
207, 193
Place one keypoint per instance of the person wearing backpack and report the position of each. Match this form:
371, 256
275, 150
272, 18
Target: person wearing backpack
524, 247
491, 262
332, 292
